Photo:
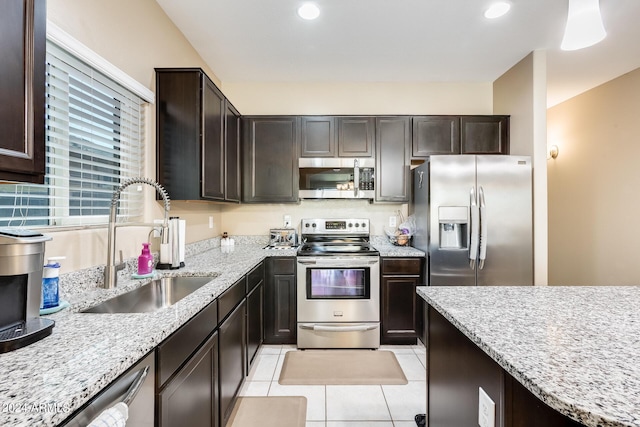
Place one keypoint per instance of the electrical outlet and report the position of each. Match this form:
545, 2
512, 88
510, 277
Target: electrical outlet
287, 221
486, 410
156, 230
392, 221
210, 222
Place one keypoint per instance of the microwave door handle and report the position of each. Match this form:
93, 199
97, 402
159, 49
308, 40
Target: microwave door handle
356, 177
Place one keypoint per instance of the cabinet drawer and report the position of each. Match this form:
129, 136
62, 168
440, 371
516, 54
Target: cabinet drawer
230, 298
255, 276
175, 350
283, 265
402, 266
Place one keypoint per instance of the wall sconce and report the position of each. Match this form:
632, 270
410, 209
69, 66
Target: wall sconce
553, 152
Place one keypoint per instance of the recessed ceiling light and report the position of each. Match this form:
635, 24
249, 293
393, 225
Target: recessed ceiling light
308, 11
496, 10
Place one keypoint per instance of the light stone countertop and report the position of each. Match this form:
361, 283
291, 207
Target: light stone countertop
576, 348
387, 249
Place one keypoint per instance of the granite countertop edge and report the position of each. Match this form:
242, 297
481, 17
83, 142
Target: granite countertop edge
572, 409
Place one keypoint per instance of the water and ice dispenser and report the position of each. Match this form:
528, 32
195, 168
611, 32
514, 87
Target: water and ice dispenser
453, 225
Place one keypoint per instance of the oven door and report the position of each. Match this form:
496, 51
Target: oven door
338, 289
338, 302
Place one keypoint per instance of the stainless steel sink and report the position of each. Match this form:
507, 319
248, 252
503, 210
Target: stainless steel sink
153, 296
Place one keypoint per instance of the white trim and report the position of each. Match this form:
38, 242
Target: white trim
81, 51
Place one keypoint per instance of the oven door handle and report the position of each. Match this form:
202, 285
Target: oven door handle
306, 262
329, 328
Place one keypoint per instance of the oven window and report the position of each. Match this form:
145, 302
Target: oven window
338, 283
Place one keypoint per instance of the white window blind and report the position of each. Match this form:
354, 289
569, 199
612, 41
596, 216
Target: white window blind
94, 141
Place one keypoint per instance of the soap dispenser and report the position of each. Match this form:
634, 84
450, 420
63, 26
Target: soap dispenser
145, 261
50, 280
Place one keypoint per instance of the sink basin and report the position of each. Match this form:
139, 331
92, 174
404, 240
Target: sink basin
153, 296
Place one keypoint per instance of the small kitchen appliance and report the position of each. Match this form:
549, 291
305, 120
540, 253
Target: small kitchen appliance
282, 238
21, 261
338, 280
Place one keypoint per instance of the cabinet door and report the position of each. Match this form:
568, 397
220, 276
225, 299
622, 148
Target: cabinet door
178, 132
393, 145
232, 360
317, 137
232, 154
401, 310
191, 397
212, 142
355, 136
254, 322
484, 134
270, 160
280, 302
22, 90
435, 135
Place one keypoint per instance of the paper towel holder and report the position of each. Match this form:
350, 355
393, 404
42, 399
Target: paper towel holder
172, 253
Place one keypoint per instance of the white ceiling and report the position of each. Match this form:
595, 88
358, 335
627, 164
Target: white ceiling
402, 41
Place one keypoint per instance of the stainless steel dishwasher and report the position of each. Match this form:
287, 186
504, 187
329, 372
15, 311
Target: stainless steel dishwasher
136, 387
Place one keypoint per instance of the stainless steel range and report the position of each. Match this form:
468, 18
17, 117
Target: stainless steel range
338, 276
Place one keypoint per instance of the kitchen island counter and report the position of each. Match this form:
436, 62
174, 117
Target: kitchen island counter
44, 383
577, 349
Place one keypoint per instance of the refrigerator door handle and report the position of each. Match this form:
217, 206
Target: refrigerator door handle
483, 229
421, 175
475, 225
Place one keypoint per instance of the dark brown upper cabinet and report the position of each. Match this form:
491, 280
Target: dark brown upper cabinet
197, 137
355, 136
393, 162
232, 153
323, 136
270, 159
435, 135
317, 136
22, 90
484, 134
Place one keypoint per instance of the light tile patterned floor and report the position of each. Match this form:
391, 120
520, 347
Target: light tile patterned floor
347, 406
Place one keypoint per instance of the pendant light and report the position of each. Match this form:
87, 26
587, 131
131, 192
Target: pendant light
584, 25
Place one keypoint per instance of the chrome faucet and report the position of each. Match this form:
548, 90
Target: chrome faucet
111, 269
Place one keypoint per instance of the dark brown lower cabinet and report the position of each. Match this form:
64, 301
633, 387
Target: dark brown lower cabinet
280, 301
232, 360
254, 322
401, 307
456, 368
191, 397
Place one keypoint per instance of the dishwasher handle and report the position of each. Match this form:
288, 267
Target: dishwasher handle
135, 386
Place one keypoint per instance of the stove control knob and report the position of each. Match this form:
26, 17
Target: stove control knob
306, 225
364, 225
313, 225
351, 225
357, 225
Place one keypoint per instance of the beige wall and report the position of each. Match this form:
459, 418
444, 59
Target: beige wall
360, 98
258, 219
594, 186
135, 36
522, 93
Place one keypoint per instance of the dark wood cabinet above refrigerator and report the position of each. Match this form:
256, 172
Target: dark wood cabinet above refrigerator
197, 137
459, 135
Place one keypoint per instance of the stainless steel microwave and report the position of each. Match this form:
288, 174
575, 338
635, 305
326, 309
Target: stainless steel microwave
337, 178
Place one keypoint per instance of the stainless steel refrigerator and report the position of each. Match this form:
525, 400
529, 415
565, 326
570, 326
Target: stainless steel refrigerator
474, 219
